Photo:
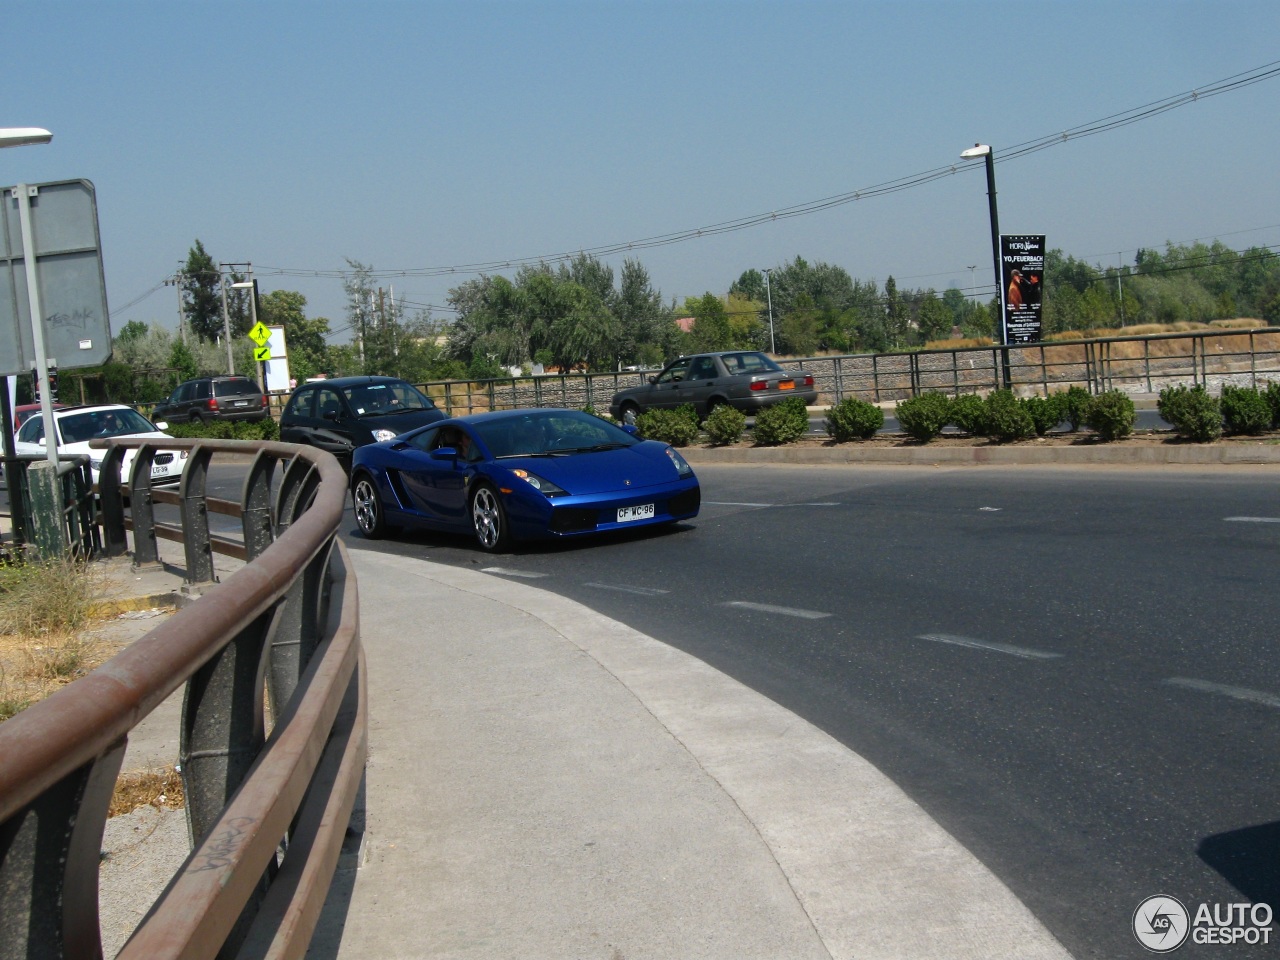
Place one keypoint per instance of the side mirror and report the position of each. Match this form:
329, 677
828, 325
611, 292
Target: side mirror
653, 379
444, 453
631, 429
162, 425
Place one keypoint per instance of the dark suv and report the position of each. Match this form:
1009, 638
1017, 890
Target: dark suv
213, 398
348, 412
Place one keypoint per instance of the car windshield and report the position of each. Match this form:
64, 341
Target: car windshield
737, 363
381, 399
96, 424
550, 433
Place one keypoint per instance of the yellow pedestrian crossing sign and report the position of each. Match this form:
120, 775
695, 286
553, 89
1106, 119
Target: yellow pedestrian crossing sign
260, 335
262, 354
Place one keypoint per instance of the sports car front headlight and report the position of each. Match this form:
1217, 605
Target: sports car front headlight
545, 487
682, 465
380, 435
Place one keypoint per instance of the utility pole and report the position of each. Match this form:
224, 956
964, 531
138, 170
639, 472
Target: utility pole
226, 321
178, 280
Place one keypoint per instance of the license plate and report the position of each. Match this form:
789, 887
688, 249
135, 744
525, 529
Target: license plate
158, 471
786, 384
642, 512
242, 403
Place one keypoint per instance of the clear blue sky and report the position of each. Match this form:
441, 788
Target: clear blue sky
408, 135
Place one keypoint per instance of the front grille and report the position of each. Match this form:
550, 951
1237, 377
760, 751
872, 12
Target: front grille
162, 458
573, 519
687, 502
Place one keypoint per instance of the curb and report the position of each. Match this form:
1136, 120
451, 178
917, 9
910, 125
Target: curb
852, 453
109, 609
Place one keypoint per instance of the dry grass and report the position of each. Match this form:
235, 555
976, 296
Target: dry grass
139, 788
43, 611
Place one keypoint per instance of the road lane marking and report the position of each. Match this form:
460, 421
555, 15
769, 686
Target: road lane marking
638, 591
729, 503
503, 571
1236, 693
1252, 519
770, 608
1025, 652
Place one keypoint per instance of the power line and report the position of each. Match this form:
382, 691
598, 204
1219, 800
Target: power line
1004, 154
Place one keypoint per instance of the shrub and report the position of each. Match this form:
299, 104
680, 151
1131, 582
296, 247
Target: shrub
1007, 417
969, 413
265, 429
669, 426
1191, 412
853, 419
1075, 406
1244, 410
784, 422
923, 417
724, 425
1111, 415
1272, 394
689, 412
1046, 412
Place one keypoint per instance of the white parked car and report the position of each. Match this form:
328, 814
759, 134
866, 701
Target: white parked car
78, 425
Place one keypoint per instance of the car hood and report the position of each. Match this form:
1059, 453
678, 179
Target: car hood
401, 422
582, 474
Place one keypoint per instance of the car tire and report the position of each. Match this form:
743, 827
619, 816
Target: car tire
630, 407
370, 517
197, 418
489, 520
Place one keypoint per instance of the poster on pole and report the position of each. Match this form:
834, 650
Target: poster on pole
1022, 286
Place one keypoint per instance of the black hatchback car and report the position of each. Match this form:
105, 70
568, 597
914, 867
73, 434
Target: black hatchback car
348, 412
213, 398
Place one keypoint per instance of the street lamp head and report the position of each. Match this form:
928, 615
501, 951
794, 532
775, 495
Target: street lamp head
244, 285
23, 136
977, 150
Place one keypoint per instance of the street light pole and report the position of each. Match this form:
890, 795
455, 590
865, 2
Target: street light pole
768, 292
984, 151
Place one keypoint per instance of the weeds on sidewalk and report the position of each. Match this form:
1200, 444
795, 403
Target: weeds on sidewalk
139, 788
43, 609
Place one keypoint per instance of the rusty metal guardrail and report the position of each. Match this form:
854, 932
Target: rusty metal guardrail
267, 810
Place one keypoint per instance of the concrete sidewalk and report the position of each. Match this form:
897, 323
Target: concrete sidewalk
544, 782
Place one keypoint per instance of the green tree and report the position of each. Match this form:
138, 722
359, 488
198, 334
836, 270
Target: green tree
711, 329
933, 318
305, 338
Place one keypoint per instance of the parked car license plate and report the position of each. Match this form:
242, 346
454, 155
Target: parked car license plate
642, 512
786, 384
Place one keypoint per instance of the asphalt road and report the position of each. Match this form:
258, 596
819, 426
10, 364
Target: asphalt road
1073, 671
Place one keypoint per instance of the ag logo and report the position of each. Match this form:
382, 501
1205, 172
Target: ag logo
1161, 924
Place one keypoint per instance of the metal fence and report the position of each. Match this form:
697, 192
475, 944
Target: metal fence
1139, 364
267, 813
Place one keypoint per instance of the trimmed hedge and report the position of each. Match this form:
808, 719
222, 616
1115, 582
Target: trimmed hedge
1244, 410
1007, 417
969, 413
266, 429
1075, 406
1045, 412
669, 426
853, 419
922, 417
725, 425
1191, 412
784, 422
1111, 415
